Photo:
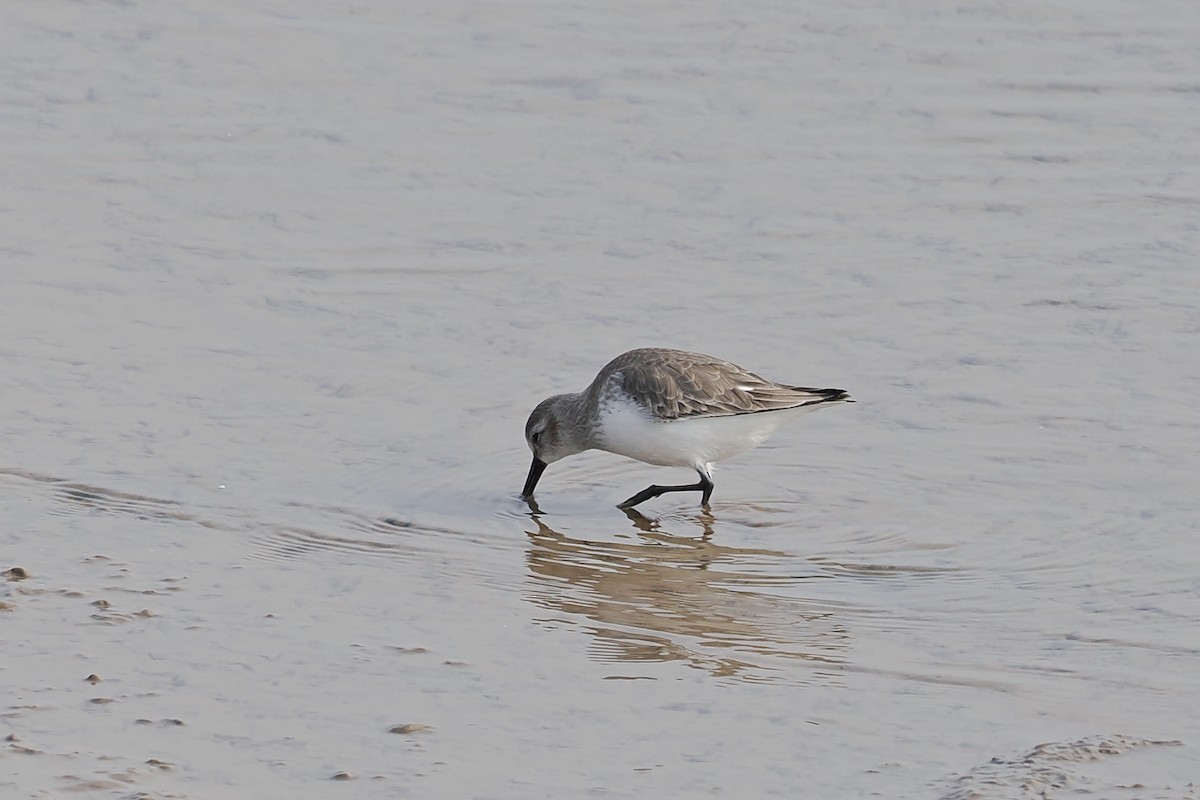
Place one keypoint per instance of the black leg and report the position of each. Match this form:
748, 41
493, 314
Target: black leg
705, 485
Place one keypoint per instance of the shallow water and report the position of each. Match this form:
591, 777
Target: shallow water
282, 281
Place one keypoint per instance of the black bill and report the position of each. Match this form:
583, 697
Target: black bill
535, 471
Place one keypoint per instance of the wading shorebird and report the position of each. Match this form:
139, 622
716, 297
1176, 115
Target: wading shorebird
669, 408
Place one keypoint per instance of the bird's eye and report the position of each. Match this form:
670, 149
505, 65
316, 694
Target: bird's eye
536, 436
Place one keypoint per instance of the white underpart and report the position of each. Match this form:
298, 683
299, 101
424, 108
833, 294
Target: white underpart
627, 429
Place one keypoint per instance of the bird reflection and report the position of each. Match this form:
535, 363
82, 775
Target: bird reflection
535, 510
659, 597
644, 523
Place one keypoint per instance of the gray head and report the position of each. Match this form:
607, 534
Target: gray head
552, 432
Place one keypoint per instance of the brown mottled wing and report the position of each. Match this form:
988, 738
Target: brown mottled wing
674, 384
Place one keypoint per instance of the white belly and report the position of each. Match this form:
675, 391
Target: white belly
629, 430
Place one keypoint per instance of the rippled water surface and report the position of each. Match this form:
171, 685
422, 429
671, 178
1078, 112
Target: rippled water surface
281, 282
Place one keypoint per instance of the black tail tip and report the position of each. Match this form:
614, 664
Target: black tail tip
832, 395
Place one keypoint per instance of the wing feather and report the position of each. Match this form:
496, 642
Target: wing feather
673, 384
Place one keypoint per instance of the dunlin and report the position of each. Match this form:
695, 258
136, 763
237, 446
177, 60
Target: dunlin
670, 408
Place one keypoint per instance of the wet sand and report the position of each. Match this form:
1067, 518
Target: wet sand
282, 282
